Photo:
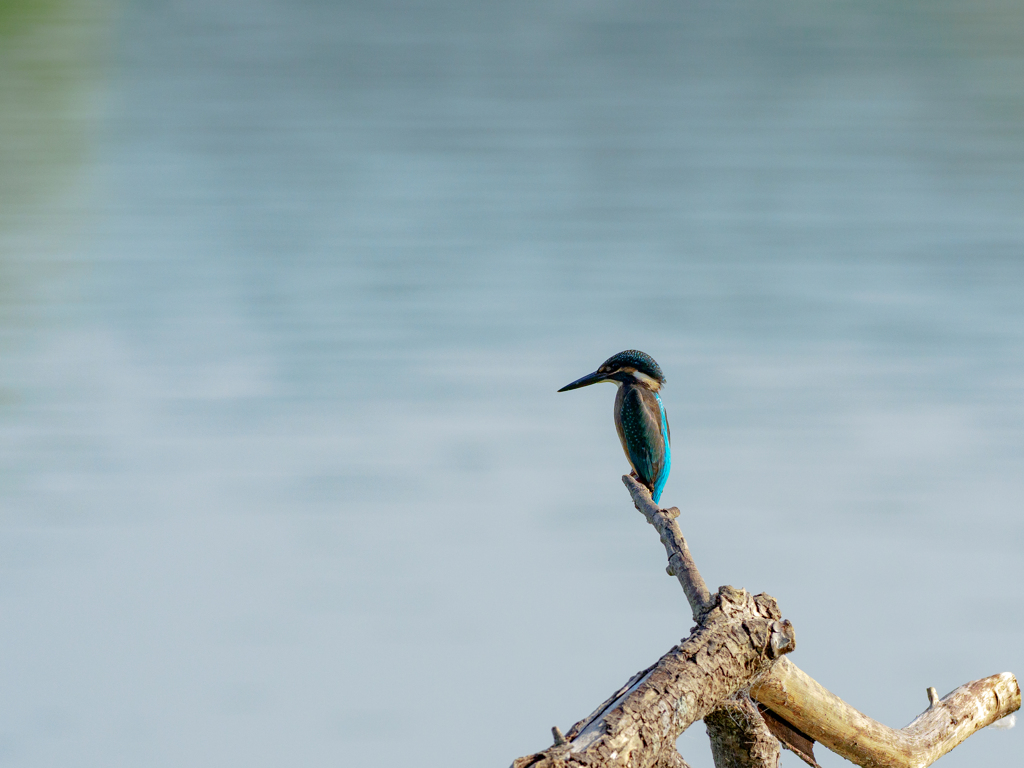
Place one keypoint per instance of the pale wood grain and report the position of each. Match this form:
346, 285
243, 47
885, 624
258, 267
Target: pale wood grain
806, 704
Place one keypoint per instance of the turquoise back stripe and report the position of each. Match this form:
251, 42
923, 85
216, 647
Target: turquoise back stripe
659, 483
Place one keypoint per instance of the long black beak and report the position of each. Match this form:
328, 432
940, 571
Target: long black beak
586, 381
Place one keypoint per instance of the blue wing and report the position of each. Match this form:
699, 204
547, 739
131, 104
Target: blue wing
643, 431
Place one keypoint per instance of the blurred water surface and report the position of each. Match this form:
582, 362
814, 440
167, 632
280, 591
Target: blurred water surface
286, 291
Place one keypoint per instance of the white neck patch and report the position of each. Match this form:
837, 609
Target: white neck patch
652, 383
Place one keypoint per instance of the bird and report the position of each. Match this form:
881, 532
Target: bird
640, 419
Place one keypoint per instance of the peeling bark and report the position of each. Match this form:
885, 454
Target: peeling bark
797, 742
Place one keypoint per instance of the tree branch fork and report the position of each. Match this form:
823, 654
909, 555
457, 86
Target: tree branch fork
731, 672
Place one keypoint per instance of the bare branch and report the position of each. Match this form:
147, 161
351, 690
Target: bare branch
680, 563
810, 707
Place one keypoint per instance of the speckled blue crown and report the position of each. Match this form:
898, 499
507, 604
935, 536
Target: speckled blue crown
635, 359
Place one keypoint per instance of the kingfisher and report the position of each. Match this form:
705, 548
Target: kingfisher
639, 414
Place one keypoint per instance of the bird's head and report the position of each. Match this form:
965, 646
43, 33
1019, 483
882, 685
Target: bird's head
629, 366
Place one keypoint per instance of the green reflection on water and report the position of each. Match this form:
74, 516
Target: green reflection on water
51, 70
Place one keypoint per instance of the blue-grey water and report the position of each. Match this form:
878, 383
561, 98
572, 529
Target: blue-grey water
286, 291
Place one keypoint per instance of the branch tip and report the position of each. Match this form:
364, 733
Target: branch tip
559, 736
933, 697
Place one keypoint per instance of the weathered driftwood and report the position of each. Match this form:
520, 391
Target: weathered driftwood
825, 717
737, 639
735, 651
739, 736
